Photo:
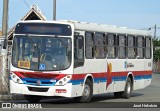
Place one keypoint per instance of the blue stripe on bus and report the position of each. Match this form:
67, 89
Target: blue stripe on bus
142, 77
121, 78
32, 81
115, 78
47, 82
97, 80
76, 82
147, 77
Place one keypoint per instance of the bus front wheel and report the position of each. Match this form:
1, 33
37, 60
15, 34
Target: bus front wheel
32, 98
87, 92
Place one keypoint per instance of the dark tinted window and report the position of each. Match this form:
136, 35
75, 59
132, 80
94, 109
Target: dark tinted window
121, 46
148, 48
140, 45
89, 45
111, 48
131, 47
99, 40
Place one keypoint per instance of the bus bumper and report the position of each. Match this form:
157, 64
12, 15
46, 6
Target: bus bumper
63, 91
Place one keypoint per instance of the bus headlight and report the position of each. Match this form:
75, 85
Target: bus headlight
63, 80
15, 78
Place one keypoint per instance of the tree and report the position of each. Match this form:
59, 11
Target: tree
156, 49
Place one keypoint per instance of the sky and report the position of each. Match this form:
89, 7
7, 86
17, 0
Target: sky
138, 14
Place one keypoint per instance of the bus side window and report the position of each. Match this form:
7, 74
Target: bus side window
140, 47
78, 51
89, 45
111, 48
99, 42
148, 48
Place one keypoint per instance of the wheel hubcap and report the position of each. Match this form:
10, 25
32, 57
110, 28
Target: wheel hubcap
86, 92
129, 88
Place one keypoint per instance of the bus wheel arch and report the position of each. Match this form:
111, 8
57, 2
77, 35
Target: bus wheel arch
130, 75
127, 89
90, 77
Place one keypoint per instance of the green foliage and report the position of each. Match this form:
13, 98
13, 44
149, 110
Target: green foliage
156, 52
156, 42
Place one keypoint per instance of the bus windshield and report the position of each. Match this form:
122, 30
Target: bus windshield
41, 53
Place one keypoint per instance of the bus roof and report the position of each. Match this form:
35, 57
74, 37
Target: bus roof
96, 27
108, 28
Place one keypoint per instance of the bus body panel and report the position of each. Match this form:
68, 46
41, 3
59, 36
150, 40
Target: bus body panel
108, 75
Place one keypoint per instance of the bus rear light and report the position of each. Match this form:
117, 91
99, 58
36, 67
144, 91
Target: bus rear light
61, 91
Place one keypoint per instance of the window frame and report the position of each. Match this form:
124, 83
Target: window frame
143, 38
134, 46
125, 46
102, 45
93, 48
82, 61
114, 46
148, 47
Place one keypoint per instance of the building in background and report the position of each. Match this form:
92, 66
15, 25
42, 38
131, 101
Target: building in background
33, 14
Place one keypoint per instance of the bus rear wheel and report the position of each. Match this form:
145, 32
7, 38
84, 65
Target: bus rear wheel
87, 92
128, 89
32, 98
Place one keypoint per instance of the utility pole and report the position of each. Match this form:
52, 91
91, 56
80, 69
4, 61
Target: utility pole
155, 29
54, 10
5, 18
3, 64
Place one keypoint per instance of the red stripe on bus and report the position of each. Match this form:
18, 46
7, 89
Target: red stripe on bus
113, 74
79, 76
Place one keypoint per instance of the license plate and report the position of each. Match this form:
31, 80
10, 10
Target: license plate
24, 64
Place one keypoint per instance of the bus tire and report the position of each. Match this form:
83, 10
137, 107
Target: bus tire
32, 98
128, 89
87, 92
118, 94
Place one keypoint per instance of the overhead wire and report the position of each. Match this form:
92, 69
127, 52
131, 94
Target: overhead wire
26, 4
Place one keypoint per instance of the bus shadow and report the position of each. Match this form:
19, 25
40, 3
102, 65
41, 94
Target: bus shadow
96, 98
110, 97
136, 94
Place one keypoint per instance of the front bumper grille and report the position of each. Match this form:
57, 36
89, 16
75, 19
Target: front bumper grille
35, 89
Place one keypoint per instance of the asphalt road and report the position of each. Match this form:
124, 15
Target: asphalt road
149, 95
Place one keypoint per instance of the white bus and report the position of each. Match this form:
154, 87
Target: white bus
77, 59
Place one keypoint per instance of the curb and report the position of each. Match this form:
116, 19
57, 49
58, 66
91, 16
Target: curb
11, 97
